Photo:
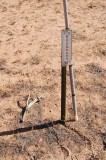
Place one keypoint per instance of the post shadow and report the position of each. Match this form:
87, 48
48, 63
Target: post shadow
36, 127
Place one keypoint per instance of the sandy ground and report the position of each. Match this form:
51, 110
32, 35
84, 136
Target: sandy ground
30, 62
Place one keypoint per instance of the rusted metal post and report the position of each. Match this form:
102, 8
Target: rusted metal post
63, 70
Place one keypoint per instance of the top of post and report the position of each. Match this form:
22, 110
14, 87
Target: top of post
65, 4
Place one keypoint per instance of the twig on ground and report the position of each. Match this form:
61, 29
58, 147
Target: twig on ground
28, 105
37, 100
28, 100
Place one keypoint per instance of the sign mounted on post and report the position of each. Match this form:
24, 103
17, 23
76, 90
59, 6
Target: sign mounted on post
66, 60
66, 47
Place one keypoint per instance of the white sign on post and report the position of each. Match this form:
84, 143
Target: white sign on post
66, 47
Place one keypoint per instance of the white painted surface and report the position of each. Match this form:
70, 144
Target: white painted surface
66, 47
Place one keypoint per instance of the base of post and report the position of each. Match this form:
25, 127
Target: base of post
62, 122
76, 117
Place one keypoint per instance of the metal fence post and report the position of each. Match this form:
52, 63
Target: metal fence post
63, 75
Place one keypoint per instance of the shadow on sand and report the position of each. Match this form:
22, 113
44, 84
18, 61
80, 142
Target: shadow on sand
36, 127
